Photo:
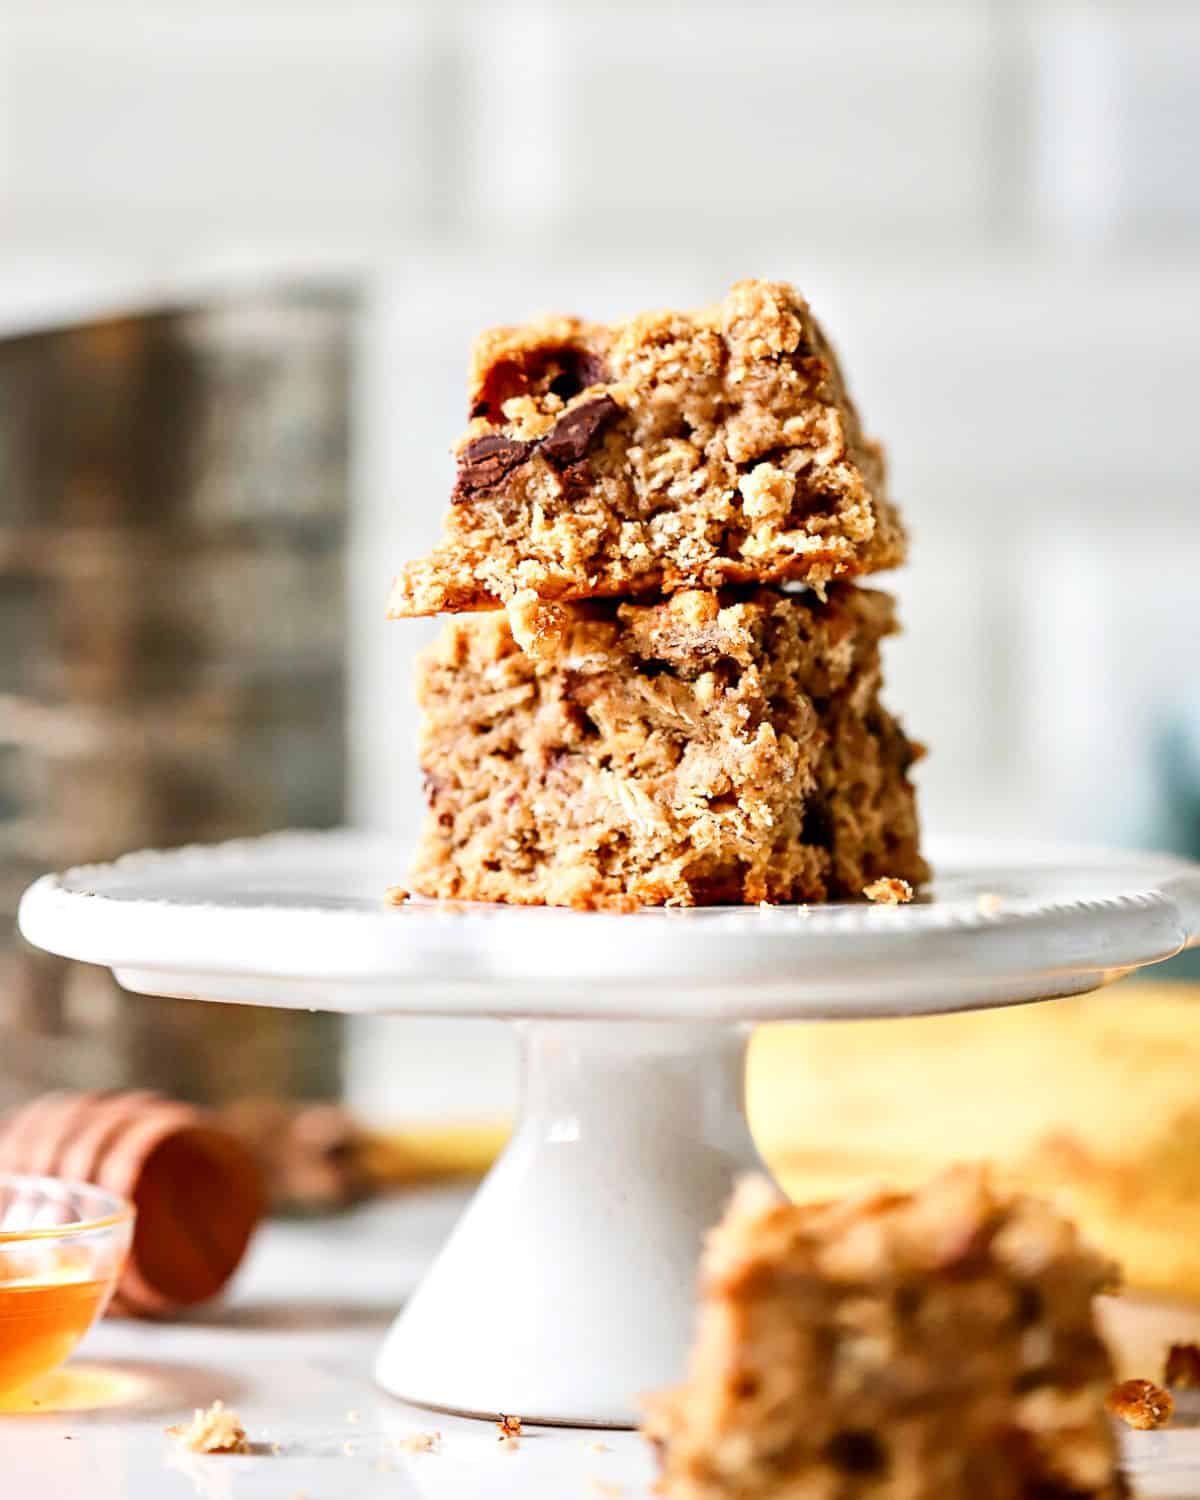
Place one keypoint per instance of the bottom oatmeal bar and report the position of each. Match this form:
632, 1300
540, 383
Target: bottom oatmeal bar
933, 1346
714, 747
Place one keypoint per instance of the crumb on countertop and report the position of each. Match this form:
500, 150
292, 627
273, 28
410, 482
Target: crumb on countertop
215, 1430
989, 903
396, 895
421, 1442
1141, 1404
888, 890
1182, 1366
509, 1426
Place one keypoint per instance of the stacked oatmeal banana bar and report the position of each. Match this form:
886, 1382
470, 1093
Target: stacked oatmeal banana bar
661, 685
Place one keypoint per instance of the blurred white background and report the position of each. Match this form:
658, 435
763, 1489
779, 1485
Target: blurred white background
994, 207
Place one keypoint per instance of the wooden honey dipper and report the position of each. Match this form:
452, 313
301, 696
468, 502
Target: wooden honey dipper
198, 1190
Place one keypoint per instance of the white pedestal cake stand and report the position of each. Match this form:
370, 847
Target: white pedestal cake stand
566, 1290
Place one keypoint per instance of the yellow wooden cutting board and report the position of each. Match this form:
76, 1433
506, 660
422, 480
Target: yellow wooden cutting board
1094, 1102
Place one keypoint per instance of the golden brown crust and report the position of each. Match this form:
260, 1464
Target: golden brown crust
1141, 1404
932, 1346
675, 450
707, 749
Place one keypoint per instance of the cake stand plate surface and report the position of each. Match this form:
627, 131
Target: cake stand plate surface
299, 919
566, 1290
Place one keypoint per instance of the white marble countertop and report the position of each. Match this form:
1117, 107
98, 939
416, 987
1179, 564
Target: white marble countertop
292, 1350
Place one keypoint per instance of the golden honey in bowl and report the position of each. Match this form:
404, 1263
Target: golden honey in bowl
40, 1323
62, 1247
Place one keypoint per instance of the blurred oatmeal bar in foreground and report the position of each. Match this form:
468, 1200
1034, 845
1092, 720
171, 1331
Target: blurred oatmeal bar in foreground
674, 450
932, 1346
712, 748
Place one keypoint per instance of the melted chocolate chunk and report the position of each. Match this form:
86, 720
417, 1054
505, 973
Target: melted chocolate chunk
576, 480
563, 369
580, 369
576, 431
483, 463
503, 381
856, 1450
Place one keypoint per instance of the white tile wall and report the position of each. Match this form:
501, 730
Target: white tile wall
1109, 644
1010, 383
1116, 102
685, 122
137, 126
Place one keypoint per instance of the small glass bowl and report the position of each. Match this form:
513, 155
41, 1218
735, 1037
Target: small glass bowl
62, 1249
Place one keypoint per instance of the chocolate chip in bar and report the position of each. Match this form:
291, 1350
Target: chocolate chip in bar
580, 369
564, 370
483, 463
576, 431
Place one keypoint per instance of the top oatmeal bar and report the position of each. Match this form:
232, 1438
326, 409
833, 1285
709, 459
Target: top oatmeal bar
673, 450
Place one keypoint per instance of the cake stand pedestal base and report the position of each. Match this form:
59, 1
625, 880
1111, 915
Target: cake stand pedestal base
568, 1286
